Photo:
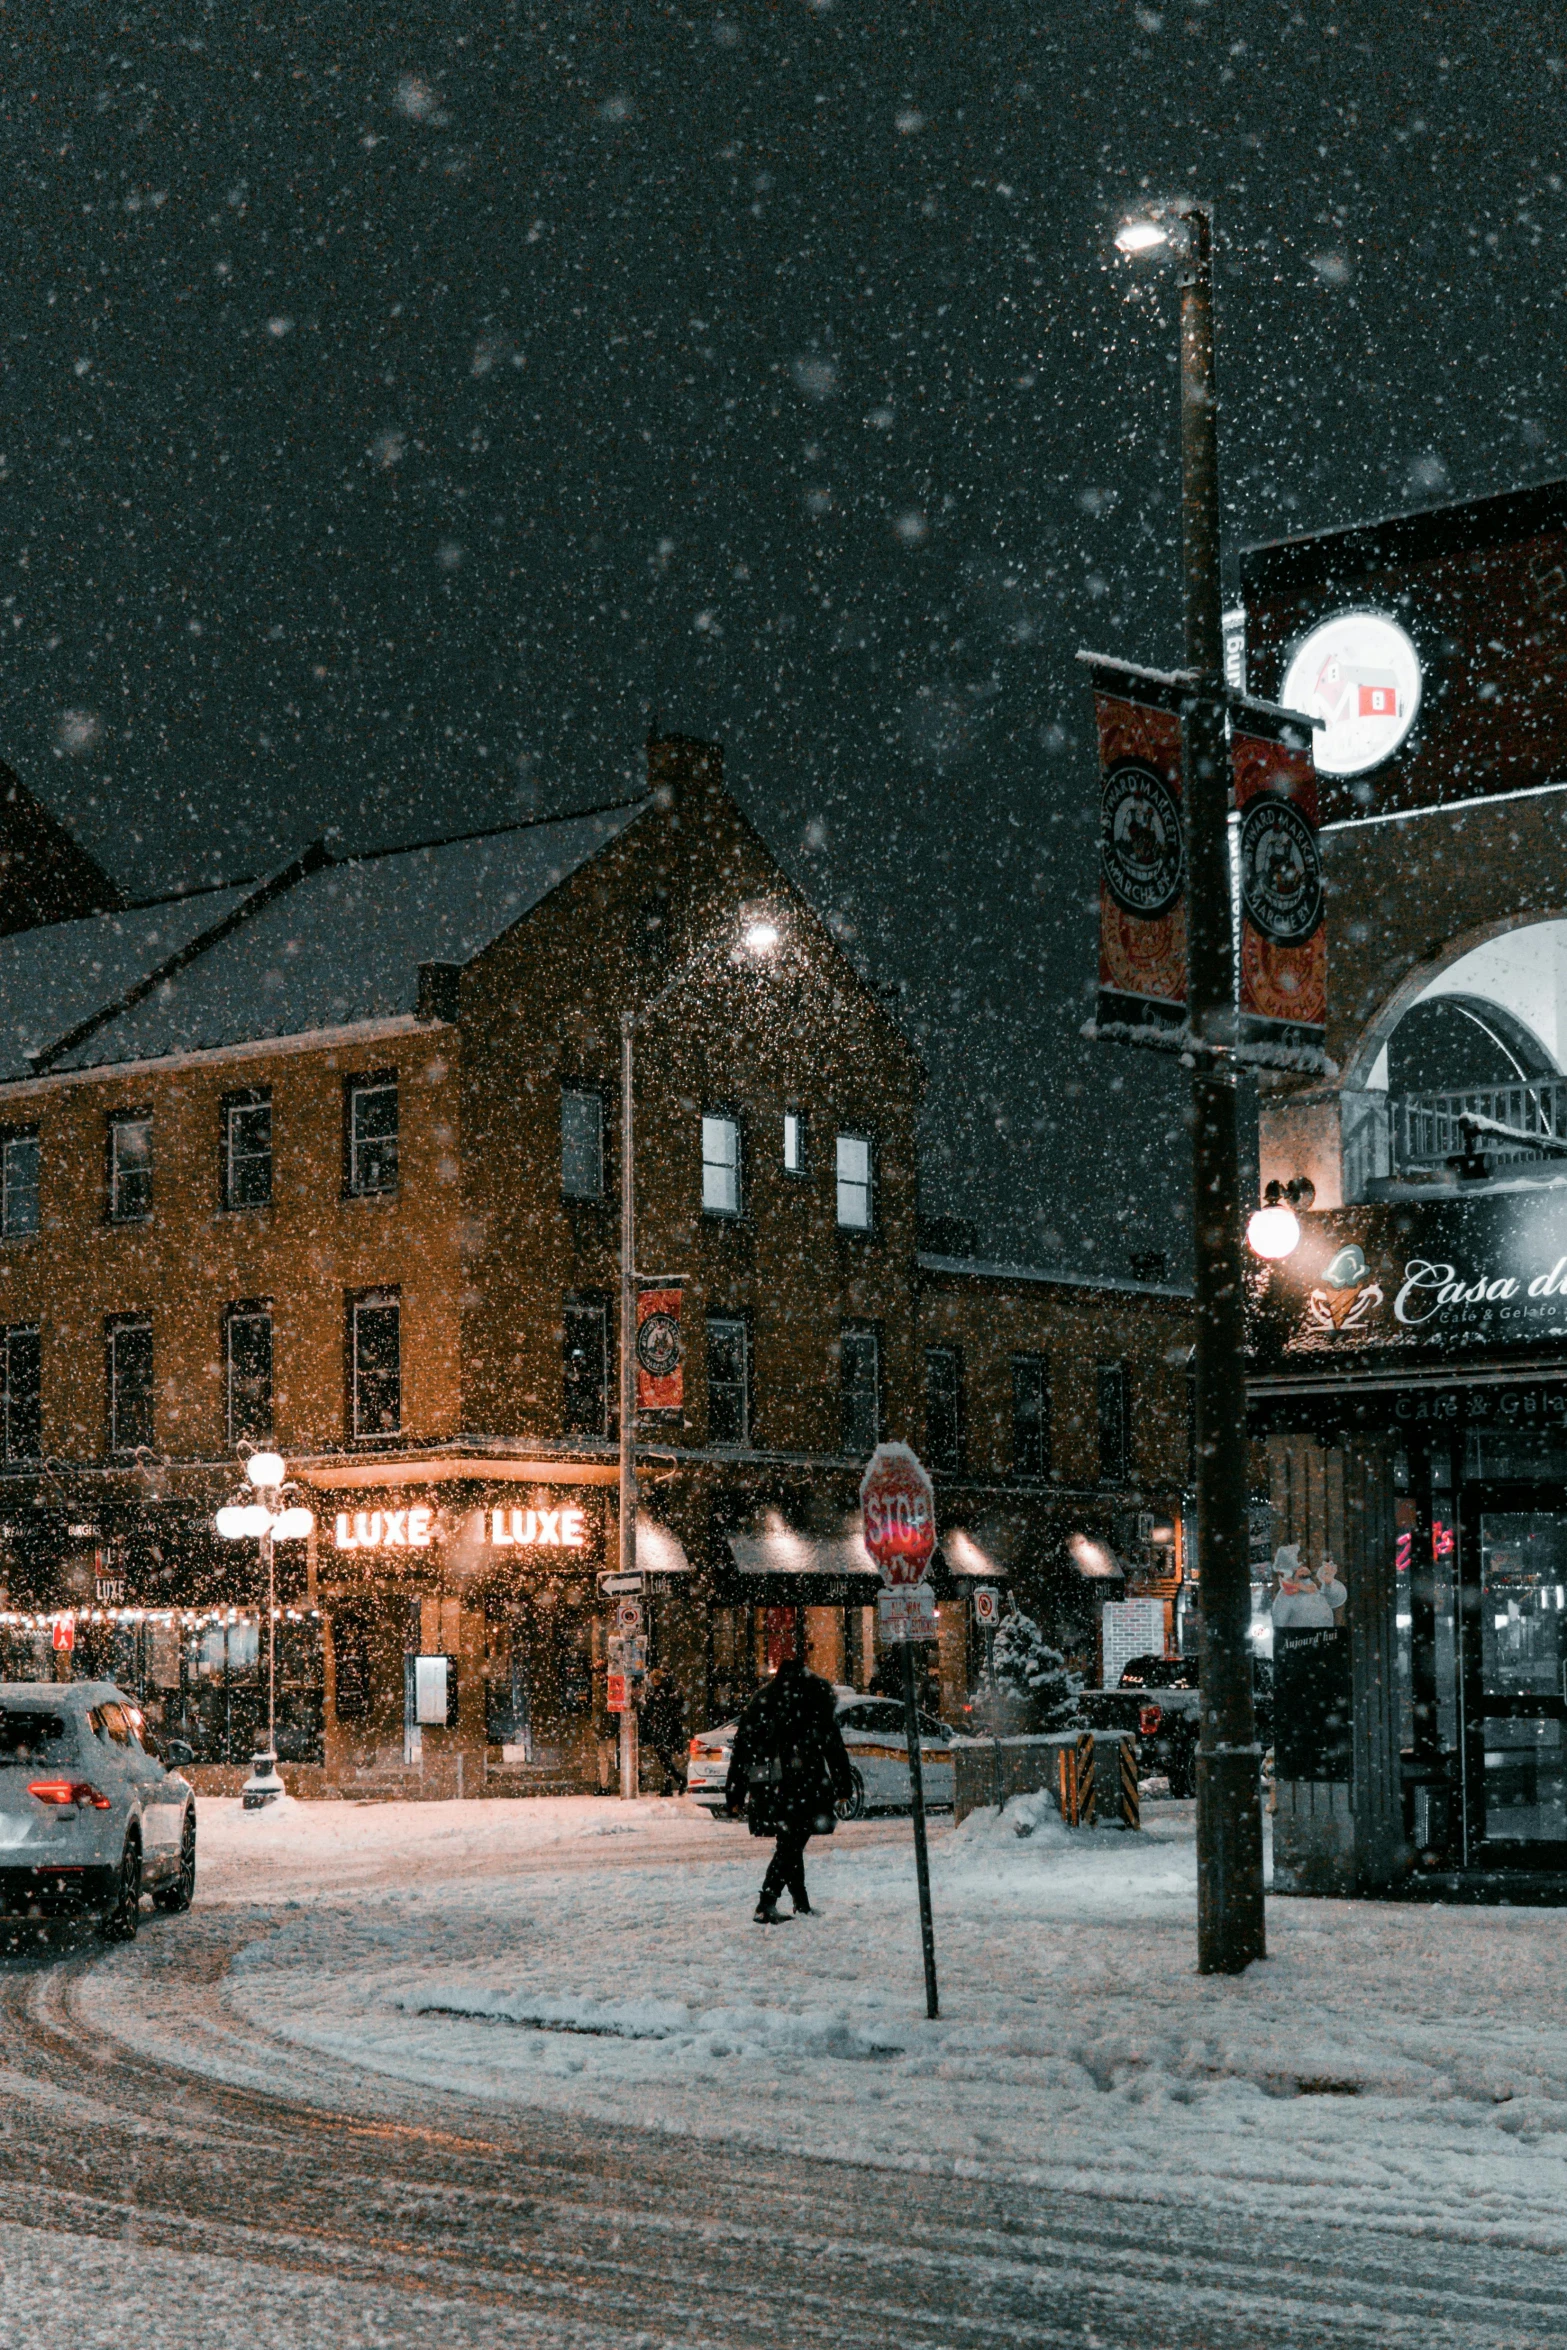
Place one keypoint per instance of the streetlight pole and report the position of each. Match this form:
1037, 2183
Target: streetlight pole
1230, 1924
630, 1762
760, 938
266, 1511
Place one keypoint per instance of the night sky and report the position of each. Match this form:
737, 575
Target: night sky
397, 413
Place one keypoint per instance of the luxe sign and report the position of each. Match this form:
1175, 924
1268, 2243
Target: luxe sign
417, 1527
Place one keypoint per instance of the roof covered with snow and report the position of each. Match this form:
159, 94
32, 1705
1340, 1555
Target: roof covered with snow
339, 946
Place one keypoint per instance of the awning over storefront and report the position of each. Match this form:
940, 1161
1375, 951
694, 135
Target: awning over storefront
778, 1565
659, 1552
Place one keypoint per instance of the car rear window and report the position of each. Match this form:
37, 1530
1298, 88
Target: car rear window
28, 1737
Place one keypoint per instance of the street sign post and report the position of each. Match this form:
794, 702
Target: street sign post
987, 1615
898, 1513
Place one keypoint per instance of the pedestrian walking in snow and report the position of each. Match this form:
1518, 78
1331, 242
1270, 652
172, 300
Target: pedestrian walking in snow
663, 1717
787, 1769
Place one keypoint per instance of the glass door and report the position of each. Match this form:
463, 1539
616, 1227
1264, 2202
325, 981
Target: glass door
1513, 1674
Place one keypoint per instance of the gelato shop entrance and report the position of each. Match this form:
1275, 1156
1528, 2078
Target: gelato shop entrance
1513, 1561
1413, 1404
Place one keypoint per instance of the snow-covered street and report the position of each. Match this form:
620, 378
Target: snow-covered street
1394, 2067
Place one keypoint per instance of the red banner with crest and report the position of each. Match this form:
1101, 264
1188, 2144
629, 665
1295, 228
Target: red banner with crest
1283, 941
661, 1370
1142, 853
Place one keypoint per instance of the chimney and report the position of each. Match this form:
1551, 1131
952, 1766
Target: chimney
677, 763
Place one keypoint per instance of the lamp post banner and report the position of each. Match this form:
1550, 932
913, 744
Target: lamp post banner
1142, 855
1283, 943
660, 1351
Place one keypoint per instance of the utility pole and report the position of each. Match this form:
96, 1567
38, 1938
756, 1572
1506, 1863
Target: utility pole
1230, 1926
630, 1765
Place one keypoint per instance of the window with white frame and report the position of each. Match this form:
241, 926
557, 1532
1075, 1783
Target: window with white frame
247, 1149
720, 1164
372, 1134
375, 1340
128, 1369
581, 1143
130, 1166
728, 1379
794, 1142
854, 1182
19, 1183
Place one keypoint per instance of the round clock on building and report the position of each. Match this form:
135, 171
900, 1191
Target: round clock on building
1360, 674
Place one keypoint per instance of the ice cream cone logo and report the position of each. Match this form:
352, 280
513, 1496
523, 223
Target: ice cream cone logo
1346, 1293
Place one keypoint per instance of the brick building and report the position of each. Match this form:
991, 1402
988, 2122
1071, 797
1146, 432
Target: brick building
330, 1160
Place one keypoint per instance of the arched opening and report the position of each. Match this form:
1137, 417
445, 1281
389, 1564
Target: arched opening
1469, 1067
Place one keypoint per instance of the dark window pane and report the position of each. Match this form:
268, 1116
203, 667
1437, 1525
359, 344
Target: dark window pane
585, 1399
859, 1354
372, 1135
130, 1386
378, 1377
21, 1366
1114, 1424
248, 1160
130, 1168
943, 1408
249, 1336
1030, 1417
581, 1144
728, 1382
19, 1186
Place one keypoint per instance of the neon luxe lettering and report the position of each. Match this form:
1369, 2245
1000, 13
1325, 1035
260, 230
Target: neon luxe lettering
561, 1529
408, 1529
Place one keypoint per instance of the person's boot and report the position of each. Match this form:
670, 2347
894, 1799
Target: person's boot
767, 1913
802, 1908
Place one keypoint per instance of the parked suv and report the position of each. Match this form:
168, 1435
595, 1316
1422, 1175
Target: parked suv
1159, 1703
90, 1815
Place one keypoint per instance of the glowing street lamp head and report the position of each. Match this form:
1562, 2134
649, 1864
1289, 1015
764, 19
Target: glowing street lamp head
761, 936
1273, 1232
266, 1468
1141, 236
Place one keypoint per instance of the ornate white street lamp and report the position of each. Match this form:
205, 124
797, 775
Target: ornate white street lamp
268, 1512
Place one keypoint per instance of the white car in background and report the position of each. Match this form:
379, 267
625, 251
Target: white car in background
874, 1734
90, 1818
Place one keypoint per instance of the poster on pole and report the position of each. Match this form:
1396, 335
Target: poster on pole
1283, 941
661, 1370
1142, 853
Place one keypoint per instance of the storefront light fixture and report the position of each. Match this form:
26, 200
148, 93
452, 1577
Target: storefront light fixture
1274, 1230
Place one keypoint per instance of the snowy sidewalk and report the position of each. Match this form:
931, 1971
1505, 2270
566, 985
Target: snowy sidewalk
1400, 2067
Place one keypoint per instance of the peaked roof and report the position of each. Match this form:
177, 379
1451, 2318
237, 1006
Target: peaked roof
322, 945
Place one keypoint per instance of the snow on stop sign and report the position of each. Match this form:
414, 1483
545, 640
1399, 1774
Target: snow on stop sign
898, 1509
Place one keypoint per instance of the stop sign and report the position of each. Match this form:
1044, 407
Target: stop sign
898, 1509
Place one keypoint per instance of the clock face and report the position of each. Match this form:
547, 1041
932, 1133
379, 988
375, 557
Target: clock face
1360, 674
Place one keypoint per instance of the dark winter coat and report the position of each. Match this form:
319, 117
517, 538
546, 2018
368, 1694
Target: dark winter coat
664, 1716
788, 1765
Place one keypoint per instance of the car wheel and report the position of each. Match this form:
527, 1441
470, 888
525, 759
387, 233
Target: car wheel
122, 1918
852, 1805
175, 1898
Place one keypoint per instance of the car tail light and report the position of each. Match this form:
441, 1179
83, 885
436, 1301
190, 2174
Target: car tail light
1149, 1718
68, 1791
